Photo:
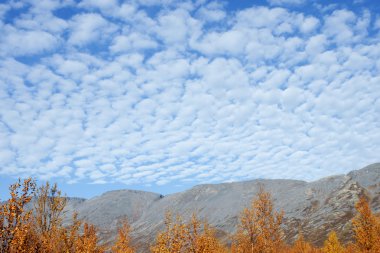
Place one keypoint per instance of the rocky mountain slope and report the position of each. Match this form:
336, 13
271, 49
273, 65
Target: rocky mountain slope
313, 207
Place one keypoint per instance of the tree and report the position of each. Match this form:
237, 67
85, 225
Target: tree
332, 244
48, 214
201, 237
366, 227
193, 237
172, 239
15, 218
70, 236
302, 246
260, 227
40, 230
88, 241
48, 208
123, 241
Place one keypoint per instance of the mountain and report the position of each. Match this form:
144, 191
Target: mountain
315, 208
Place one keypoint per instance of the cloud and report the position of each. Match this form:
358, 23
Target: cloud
350, 26
156, 93
99, 4
88, 27
309, 25
213, 12
174, 27
132, 42
23, 42
286, 2
3, 10
377, 23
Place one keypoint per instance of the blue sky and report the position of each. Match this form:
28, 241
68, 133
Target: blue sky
162, 95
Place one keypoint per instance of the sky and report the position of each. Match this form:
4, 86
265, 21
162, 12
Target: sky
162, 95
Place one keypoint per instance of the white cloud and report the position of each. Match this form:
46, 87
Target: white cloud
22, 42
212, 12
71, 68
377, 23
292, 97
89, 27
47, 22
338, 26
229, 42
174, 27
132, 42
309, 25
346, 27
3, 10
261, 17
110, 4
316, 45
286, 2
183, 93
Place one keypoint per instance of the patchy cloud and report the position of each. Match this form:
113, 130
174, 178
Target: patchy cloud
167, 92
286, 2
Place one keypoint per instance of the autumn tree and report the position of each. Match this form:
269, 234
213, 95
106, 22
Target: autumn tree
332, 244
48, 214
193, 237
70, 236
172, 239
302, 246
25, 229
123, 241
260, 227
351, 248
366, 227
201, 238
15, 218
53, 236
48, 208
88, 241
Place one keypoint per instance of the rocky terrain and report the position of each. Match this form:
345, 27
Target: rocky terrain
315, 208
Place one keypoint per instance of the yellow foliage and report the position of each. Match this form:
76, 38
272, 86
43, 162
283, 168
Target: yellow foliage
40, 230
201, 238
194, 236
172, 239
122, 244
260, 227
332, 244
14, 218
366, 227
88, 241
302, 246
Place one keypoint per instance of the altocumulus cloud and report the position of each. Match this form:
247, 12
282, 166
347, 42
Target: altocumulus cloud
177, 92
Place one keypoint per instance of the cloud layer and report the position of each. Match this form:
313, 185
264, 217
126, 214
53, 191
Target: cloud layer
173, 92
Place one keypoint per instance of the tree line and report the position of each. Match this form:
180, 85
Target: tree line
31, 220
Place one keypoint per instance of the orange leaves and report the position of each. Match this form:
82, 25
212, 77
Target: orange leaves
40, 229
123, 241
366, 227
302, 246
88, 241
48, 208
14, 218
201, 238
172, 239
260, 227
332, 244
193, 237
